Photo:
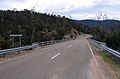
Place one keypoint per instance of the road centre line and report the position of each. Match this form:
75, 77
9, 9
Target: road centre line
55, 56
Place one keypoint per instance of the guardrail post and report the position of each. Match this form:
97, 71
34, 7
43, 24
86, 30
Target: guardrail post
2, 55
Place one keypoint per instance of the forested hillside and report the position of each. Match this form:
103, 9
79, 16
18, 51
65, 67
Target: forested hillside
107, 31
34, 26
109, 35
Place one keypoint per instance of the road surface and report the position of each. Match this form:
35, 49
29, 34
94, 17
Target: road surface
66, 60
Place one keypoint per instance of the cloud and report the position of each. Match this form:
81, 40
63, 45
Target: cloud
62, 5
18, 4
78, 9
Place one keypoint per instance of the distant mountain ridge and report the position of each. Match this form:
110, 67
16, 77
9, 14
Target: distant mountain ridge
106, 23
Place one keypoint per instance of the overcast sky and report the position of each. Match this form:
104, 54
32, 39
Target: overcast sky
76, 9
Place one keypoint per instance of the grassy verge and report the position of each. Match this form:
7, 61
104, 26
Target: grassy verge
111, 61
107, 58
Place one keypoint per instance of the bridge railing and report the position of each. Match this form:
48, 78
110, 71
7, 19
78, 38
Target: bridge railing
104, 47
18, 49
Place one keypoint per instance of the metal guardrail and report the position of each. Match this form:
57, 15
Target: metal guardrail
18, 49
104, 47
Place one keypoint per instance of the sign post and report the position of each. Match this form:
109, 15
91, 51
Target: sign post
16, 35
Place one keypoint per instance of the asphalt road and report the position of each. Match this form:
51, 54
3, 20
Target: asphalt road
65, 60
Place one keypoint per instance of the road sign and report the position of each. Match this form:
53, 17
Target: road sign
16, 35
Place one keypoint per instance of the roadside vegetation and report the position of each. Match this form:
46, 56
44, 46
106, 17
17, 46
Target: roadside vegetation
109, 35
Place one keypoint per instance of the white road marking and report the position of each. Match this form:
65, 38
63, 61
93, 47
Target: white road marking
55, 55
69, 46
95, 60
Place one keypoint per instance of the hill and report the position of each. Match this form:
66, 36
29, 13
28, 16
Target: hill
106, 23
34, 26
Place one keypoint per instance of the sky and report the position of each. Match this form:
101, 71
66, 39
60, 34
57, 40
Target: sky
74, 9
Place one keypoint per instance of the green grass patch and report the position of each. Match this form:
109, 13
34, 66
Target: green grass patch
116, 67
107, 58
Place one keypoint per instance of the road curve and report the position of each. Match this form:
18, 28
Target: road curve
65, 60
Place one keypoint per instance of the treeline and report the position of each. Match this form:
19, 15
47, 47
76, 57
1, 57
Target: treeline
109, 35
34, 26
